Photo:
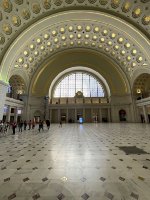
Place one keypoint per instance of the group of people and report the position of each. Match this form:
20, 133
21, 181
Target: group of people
41, 124
23, 125
4, 127
31, 125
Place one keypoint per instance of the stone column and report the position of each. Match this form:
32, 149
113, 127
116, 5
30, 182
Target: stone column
114, 114
15, 115
59, 116
47, 113
133, 113
26, 110
8, 114
109, 116
138, 114
84, 114
3, 91
92, 115
75, 115
46, 105
67, 116
145, 114
50, 114
100, 115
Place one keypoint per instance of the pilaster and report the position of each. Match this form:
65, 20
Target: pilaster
3, 91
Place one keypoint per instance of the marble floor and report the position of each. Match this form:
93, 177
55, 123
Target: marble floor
76, 162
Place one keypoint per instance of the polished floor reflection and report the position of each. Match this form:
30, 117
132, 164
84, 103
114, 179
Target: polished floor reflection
76, 162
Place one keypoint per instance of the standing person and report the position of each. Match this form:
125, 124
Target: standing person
1, 126
14, 125
8, 125
40, 125
60, 123
33, 124
5, 127
20, 125
25, 125
48, 123
29, 124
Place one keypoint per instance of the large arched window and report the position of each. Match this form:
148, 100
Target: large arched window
78, 81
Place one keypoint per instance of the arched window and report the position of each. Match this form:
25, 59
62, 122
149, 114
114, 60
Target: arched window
78, 81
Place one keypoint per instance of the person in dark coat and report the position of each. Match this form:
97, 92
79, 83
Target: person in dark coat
20, 125
41, 125
48, 123
29, 124
25, 125
33, 124
14, 125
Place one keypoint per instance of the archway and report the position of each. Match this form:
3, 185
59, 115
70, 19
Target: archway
116, 53
92, 61
17, 87
37, 116
84, 73
122, 115
141, 92
141, 86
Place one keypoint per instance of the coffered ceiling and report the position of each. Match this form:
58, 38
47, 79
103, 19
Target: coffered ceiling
17, 15
32, 31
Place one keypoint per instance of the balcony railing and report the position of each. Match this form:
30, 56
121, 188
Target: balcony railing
87, 100
143, 100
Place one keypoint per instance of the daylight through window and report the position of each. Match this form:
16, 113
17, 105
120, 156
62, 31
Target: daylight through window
79, 81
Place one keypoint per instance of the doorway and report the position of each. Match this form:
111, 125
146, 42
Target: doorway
122, 115
79, 116
63, 118
36, 119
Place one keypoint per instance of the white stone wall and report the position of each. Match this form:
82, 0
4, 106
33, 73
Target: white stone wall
34, 104
109, 111
122, 103
14, 102
3, 90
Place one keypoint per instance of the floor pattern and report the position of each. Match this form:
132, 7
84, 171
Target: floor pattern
76, 162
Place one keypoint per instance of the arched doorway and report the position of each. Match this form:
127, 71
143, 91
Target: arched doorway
141, 86
122, 115
78, 95
16, 87
141, 91
37, 116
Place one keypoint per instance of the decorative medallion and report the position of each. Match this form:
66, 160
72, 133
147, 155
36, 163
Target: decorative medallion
47, 4
26, 14
16, 20
7, 5
7, 29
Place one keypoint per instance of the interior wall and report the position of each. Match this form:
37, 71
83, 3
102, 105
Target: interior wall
88, 115
71, 114
54, 116
79, 57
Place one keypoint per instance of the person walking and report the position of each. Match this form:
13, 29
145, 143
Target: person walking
48, 123
14, 125
25, 125
1, 126
20, 125
33, 124
29, 124
41, 125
